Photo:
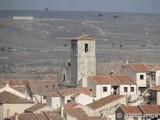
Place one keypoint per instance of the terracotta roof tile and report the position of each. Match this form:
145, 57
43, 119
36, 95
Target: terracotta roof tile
6, 97
107, 68
55, 94
18, 82
35, 108
37, 116
41, 87
71, 104
83, 37
21, 89
123, 79
104, 101
150, 109
156, 88
28, 116
105, 79
71, 91
81, 115
131, 109
139, 67
53, 77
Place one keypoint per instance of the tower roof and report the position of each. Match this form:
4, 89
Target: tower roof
83, 37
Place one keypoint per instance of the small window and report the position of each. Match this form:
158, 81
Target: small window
68, 101
141, 77
86, 48
132, 89
125, 89
64, 78
44, 97
104, 89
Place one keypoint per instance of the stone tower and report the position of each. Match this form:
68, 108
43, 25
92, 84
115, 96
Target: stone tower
83, 59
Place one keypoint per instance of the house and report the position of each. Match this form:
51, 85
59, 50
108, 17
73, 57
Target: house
40, 89
141, 112
128, 113
53, 100
105, 85
138, 73
107, 105
155, 75
154, 97
80, 95
17, 87
9, 101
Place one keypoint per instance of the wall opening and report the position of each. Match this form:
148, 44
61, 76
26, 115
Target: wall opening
86, 48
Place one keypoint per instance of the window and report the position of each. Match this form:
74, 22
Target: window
68, 101
141, 77
86, 48
125, 89
104, 89
44, 97
64, 77
132, 89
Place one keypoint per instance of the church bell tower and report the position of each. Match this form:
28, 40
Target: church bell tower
83, 59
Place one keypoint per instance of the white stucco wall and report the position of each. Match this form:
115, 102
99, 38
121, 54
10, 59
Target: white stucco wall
121, 90
157, 77
38, 98
15, 108
56, 102
100, 93
83, 99
141, 83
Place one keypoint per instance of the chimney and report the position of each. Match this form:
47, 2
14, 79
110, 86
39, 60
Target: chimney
111, 72
16, 116
7, 83
127, 61
91, 93
62, 111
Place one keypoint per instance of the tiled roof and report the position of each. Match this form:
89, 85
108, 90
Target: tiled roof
104, 101
150, 109
107, 68
156, 67
123, 79
113, 79
18, 82
71, 91
6, 97
156, 88
131, 109
35, 107
55, 94
37, 116
53, 77
41, 87
71, 104
105, 79
52, 115
83, 37
81, 115
139, 67
21, 89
